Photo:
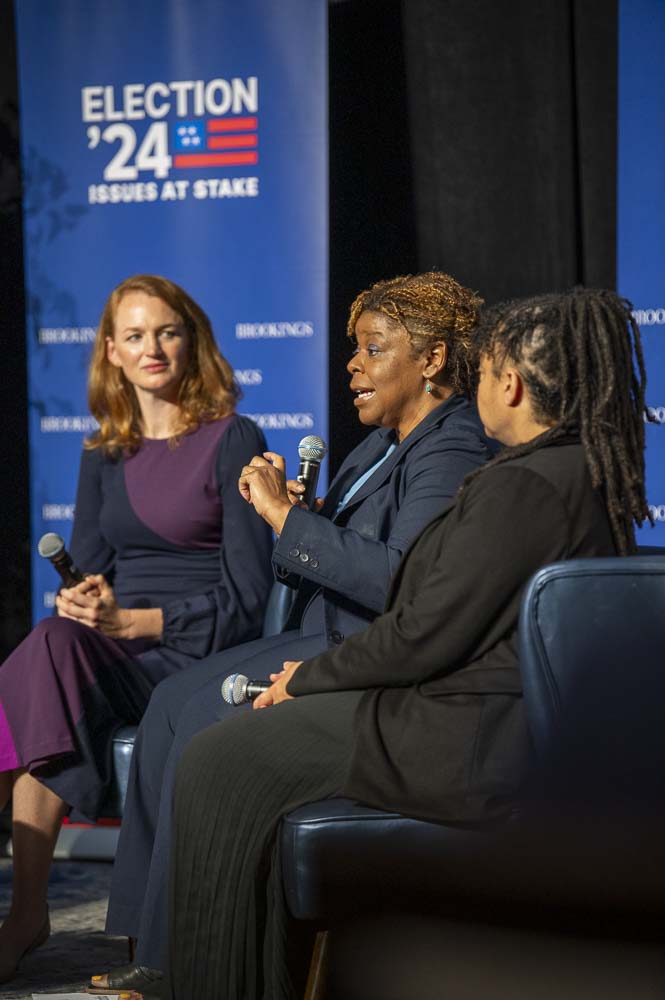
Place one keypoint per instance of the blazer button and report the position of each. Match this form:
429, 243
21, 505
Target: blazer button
304, 558
336, 637
314, 563
294, 552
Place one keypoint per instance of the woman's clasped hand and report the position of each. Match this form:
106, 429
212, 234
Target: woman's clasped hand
93, 602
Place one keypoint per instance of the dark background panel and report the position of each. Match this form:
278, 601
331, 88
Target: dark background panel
513, 123
475, 136
372, 225
14, 481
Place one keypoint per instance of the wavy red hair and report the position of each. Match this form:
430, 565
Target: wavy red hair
208, 390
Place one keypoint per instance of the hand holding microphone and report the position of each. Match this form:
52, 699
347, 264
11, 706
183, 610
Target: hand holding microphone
78, 592
238, 689
90, 600
52, 547
263, 482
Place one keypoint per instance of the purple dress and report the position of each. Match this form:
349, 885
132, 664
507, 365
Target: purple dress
168, 528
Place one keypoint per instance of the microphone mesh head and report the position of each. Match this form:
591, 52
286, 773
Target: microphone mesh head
240, 689
50, 545
233, 689
312, 448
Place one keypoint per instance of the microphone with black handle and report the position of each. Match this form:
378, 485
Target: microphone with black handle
52, 547
238, 689
312, 450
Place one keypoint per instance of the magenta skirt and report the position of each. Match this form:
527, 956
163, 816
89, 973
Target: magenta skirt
64, 691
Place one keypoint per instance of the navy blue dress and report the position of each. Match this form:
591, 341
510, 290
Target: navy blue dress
341, 562
168, 528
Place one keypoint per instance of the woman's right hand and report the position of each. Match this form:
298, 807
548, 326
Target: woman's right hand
263, 484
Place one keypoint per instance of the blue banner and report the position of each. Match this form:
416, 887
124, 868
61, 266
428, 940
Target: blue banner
188, 140
641, 216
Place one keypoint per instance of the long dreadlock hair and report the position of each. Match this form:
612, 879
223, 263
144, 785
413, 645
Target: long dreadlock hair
580, 357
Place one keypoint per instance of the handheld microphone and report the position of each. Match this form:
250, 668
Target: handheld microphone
312, 450
238, 689
52, 547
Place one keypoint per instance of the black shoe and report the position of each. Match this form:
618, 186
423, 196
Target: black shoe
130, 977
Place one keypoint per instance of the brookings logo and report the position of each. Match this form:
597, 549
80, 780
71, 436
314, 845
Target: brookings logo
61, 424
283, 421
58, 511
249, 376
193, 124
649, 317
274, 331
656, 413
67, 335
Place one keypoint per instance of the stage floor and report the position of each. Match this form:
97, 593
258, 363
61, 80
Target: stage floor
78, 946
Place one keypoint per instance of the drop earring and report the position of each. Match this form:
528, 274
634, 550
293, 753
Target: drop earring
428, 387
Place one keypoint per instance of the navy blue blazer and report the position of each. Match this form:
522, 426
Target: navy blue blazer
342, 563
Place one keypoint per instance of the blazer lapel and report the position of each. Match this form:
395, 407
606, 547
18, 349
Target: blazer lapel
386, 468
375, 446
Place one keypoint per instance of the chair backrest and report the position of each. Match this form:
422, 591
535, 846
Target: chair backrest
592, 656
280, 600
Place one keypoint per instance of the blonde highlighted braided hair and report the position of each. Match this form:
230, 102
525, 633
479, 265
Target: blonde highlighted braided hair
432, 307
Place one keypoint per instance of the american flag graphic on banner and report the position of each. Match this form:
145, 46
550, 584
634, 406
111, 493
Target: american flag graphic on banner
200, 143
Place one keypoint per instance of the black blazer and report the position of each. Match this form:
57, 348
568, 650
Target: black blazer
440, 731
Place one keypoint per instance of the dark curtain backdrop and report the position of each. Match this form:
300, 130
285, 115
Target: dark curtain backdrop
512, 112
476, 136
14, 481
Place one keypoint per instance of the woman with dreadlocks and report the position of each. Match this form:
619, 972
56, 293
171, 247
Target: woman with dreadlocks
421, 712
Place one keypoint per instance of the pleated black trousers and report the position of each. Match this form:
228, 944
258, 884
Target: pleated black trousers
228, 916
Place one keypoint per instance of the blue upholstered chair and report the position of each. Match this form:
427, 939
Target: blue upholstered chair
591, 841
277, 611
590, 848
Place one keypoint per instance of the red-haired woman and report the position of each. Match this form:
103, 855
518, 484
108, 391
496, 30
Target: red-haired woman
179, 567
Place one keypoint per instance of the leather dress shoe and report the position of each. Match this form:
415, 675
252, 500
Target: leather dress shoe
129, 977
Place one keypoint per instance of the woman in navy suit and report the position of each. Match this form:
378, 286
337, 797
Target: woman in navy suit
411, 372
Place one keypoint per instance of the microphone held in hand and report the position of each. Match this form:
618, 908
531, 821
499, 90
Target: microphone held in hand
238, 689
312, 450
52, 547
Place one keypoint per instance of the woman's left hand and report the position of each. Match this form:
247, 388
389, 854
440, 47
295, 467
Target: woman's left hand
95, 606
98, 608
277, 691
